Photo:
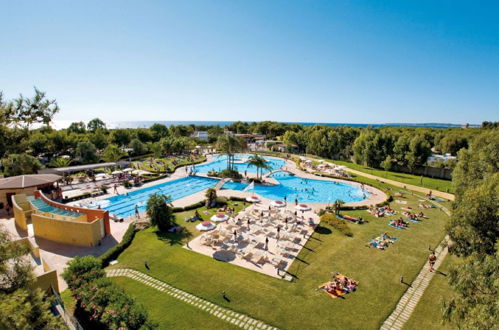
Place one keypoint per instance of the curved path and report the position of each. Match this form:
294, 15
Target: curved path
238, 319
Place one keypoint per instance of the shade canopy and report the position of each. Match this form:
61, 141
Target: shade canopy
28, 180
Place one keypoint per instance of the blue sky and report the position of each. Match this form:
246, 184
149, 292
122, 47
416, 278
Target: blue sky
313, 61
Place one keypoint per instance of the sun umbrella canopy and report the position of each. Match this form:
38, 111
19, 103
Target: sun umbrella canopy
140, 172
205, 226
116, 172
278, 203
302, 207
252, 199
128, 169
219, 217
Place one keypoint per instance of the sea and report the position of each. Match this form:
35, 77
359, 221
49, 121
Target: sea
59, 124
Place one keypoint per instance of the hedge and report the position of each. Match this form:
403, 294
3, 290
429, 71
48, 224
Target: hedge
115, 251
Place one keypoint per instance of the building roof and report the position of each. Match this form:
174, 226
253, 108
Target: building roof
79, 168
28, 180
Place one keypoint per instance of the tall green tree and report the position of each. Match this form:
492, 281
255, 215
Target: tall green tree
260, 163
96, 124
160, 212
474, 229
229, 145
18, 164
86, 152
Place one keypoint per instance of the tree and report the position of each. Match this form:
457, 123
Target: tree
260, 163
229, 145
21, 305
211, 197
38, 143
419, 151
18, 164
77, 127
96, 124
138, 147
474, 229
99, 139
387, 164
60, 162
120, 137
24, 112
87, 152
113, 153
160, 212
159, 131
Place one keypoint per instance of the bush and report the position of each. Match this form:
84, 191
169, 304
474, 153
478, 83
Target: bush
100, 304
82, 270
115, 251
340, 225
221, 201
127, 184
232, 174
160, 212
104, 189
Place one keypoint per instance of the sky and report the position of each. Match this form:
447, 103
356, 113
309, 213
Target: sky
294, 61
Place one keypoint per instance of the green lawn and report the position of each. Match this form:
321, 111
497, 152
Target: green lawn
430, 183
296, 304
169, 312
428, 313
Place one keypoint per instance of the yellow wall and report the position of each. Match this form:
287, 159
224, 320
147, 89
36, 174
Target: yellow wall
69, 232
22, 210
27, 191
49, 277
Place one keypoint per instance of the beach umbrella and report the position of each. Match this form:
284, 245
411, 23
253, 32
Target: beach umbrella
219, 217
302, 207
278, 203
116, 172
205, 226
253, 199
128, 169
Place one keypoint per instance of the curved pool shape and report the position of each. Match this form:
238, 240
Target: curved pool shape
220, 163
123, 206
305, 190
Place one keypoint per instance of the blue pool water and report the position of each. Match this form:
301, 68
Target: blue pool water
220, 163
305, 190
124, 206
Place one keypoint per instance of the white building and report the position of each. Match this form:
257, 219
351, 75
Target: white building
436, 158
202, 135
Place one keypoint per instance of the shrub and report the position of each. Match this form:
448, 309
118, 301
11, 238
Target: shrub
339, 224
82, 270
115, 251
104, 189
193, 206
221, 201
229, 173
160, 212
127, 184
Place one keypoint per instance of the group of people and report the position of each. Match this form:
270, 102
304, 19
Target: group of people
414, 216
339, 286
382, 242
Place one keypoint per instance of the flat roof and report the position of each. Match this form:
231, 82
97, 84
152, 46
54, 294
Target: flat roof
79, 168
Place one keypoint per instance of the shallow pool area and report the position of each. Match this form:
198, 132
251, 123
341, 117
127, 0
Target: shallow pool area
305, 190
219, 163
124, 205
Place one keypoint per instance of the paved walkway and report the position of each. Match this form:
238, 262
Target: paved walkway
411, 297
238, 319
403, 185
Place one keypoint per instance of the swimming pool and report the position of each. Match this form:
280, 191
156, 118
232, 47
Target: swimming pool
220, 163
305, 190
124, 205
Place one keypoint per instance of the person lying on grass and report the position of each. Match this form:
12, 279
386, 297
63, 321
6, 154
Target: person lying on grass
399, 223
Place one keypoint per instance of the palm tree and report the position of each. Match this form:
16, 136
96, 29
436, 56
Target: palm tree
229, 145
211, 197
260, 163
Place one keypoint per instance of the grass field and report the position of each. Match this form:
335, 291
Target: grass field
428, 313
296, 304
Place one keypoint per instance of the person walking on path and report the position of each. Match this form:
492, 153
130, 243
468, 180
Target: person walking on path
431, 260
136, 211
